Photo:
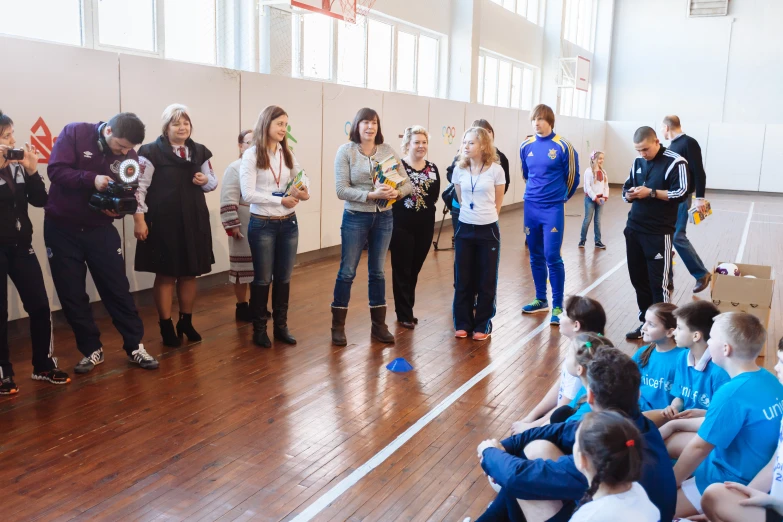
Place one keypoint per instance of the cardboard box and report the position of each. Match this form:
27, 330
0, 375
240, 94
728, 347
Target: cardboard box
745, 294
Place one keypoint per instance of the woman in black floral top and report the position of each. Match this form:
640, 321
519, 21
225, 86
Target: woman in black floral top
414, 223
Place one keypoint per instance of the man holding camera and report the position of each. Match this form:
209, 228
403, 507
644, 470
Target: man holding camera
86, 158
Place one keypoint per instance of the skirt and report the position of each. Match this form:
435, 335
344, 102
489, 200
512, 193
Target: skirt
240, 259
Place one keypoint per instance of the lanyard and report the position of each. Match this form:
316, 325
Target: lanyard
279, 171
473, 185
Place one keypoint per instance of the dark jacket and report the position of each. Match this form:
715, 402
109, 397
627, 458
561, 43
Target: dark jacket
75, 161
666, 171
689, 149
15, 225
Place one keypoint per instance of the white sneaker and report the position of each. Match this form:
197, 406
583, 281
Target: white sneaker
143, 359
88, 363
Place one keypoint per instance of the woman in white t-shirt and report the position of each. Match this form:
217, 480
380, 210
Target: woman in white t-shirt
479, 181
608, 452
596, 185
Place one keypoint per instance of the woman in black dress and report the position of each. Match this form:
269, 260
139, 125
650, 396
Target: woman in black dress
414, 223
172, 222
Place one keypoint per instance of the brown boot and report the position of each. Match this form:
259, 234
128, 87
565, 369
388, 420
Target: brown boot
380, 332
338, 326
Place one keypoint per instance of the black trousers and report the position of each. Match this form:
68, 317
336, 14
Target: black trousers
71, 252
650, 267
19, 263
409, 248
476, 259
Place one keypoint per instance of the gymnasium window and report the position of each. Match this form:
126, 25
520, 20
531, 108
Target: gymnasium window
190, 30
54, 20
504, 82
574, 102
579, 22
525, 8
376, 53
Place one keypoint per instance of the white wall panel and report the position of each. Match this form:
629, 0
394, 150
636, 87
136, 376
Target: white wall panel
506, 125
148, 85
302, 100
341, 104
771, 180
88, 92
446, 126
734, 156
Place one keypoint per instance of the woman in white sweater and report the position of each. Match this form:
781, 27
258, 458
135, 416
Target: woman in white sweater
596, 185
270, 182
366, 219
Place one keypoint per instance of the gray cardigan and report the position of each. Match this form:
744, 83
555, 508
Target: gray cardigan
353, 176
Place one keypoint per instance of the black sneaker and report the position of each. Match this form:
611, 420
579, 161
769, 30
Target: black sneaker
88, 363
634, 334
142, 358
8, 386
54, 376
600, 245
581, 244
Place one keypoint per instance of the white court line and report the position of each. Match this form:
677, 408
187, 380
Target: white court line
344, 485
741, 249
769, 222
734, 211
770, 215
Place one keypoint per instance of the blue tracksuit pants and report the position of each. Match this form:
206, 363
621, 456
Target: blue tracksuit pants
544, 225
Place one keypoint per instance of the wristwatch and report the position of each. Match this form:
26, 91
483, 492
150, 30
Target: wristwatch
652, 194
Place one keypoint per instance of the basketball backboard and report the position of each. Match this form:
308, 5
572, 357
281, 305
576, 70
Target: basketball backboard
340, 9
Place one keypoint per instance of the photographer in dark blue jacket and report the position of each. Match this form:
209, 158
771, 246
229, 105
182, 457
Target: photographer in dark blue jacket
535, 469
84, 159
20, 185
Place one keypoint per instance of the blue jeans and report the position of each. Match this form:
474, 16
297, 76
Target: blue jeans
591, 208
375, 228
273, 245
683, 245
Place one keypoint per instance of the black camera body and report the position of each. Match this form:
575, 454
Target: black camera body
14, 154
119, 196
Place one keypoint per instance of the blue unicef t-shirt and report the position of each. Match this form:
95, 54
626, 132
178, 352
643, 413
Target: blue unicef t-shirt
697, 388
742, 423
581, 409
657, 377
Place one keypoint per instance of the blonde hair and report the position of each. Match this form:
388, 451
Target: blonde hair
744, 333
172, 113
408, 136
488, 152
594, 157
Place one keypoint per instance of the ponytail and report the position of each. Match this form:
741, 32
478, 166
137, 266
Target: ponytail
644, 359
613, 445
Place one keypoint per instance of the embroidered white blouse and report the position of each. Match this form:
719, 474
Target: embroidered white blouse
259, 187
148, 169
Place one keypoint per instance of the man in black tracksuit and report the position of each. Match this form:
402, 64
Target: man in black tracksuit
656, 186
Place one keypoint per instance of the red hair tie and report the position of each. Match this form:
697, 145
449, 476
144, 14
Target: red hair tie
630, 443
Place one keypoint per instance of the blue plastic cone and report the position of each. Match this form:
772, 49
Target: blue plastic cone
399, 365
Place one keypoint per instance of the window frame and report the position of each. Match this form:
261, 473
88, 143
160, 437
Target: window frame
513, 7
518, 104
91, 30
573, 20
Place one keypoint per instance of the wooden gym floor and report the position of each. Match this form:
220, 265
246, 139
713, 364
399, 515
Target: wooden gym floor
227, 431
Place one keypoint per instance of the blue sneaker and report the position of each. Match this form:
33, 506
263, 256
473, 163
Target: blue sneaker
556, 311
536, 306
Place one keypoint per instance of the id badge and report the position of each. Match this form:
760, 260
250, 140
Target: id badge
279, 194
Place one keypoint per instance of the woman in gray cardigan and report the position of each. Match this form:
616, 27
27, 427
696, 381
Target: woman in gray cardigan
366, 219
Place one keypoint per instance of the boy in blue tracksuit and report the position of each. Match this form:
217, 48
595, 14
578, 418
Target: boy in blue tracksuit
550, 166
553, 484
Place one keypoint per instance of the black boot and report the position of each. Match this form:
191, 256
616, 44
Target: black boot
280, 293
338, 326
380, 332
243, 313
259, 295
169, 335
185, 327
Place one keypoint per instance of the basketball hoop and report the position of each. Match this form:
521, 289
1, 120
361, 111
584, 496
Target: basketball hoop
351, 7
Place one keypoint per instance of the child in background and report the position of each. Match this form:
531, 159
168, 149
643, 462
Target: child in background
596, 193
696, 380
733, 502
583, 349
608, 452
581, 314
658, 360
740, 431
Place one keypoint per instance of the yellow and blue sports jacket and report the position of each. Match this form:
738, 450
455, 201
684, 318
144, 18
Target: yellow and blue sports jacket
550, 166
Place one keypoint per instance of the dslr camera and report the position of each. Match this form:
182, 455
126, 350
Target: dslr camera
119, 196
14, 154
